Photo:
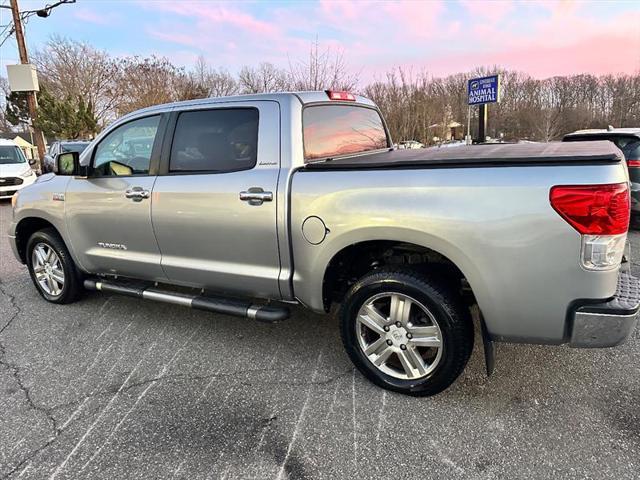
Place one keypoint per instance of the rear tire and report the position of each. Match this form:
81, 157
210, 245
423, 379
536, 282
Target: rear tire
417, 351
52, 269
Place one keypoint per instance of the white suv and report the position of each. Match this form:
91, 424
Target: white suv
15, 170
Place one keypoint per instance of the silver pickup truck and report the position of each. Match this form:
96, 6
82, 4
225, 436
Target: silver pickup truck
245, 205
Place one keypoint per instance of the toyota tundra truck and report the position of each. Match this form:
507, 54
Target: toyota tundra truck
248, 205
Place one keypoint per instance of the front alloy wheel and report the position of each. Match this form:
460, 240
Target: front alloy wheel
47, 268
51, 267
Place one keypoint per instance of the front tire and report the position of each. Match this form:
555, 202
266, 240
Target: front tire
406, 332
51, 267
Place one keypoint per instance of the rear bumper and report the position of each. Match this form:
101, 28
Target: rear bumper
609, 323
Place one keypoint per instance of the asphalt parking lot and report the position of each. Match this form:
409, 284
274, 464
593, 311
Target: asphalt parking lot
113, 387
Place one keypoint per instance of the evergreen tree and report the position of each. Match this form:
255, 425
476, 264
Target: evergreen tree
65, 118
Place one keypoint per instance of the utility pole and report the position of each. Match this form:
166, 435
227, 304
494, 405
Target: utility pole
482, 123
31, 96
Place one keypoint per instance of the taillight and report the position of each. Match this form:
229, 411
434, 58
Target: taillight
601, 214
593, 209
345, 96
633, 163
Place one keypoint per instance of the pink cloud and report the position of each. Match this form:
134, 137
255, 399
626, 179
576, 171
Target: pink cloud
90, 16
219, 15
540, 37
488, 11
185, 39
408, 17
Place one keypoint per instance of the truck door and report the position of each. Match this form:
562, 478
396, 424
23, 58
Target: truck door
109, 213
214, 203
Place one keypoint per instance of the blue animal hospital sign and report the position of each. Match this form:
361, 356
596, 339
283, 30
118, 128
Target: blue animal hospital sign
484, 90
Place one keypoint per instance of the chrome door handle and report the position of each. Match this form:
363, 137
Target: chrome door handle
256, 196
137, 193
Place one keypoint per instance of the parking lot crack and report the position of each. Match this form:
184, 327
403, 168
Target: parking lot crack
22, 463
14, 370
14, 303
33, 405
16, 374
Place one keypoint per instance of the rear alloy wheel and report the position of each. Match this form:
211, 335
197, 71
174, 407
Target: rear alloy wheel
51, 267
406, 332
399, 335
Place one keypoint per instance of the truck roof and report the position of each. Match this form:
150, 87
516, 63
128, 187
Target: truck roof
605, 131
7, 143
303, 97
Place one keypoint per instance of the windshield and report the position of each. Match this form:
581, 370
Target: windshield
334, 130
74, 147
11, 154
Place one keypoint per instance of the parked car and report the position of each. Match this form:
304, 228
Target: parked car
56, 148
252, 203
15, 170
410, 144
627, 140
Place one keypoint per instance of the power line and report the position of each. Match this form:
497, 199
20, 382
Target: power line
25, 15
41, 12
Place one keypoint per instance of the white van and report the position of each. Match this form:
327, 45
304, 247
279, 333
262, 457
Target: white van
15, 170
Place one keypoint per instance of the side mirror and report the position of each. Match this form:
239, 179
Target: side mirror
32, 162
68, 164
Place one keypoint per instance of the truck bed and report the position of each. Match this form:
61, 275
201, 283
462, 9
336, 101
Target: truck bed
585, 153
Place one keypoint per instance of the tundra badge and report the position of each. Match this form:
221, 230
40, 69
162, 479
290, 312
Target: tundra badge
113, 246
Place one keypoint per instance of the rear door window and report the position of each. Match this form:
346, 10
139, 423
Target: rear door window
215, 141
336, 130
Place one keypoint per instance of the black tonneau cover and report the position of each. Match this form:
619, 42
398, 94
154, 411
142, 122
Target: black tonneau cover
482, 155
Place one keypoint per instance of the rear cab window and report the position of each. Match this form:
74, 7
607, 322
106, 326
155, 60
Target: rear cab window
340, 130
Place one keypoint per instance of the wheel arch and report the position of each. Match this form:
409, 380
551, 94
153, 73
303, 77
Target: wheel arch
27, 227
404, 247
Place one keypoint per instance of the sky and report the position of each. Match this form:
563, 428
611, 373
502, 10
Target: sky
540, 37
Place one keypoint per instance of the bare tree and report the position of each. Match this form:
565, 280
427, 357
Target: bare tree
263, 79
215, 82
548, 124
416, 105
73, 69
5, 91
322, 70
143, 82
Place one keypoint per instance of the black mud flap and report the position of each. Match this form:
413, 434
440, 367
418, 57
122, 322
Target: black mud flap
489, 348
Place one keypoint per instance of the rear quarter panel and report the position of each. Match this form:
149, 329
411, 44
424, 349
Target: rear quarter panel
496, 224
